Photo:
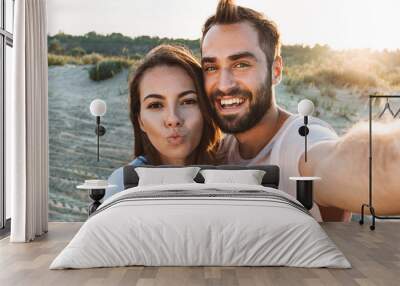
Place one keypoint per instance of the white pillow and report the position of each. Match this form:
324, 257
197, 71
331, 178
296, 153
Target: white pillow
248, 177
163, 176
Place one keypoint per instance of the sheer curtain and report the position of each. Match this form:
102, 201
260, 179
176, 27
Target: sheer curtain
27, 124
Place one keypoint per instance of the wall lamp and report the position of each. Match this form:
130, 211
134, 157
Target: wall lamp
305, 108
98, 108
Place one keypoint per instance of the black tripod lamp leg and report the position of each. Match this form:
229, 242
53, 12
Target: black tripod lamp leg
362, 215
372, 226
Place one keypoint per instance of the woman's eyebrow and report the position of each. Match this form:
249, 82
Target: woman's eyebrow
153, 95
186, 92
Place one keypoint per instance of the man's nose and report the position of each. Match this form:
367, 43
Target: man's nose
226, 81
173, 120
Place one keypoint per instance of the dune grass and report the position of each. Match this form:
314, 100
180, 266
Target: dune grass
102, 67
89, 59
105, 69
363, 71
363, 74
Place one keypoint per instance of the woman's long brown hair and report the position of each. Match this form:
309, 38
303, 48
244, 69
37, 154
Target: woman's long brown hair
167, 55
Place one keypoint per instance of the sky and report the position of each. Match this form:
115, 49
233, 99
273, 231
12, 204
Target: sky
341, 24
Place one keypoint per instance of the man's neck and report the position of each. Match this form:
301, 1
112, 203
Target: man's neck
252, 141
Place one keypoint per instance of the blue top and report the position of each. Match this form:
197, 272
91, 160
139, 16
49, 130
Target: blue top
117, 177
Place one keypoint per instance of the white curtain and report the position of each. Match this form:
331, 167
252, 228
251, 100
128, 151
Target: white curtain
27, 124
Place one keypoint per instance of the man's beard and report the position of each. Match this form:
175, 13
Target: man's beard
259, 103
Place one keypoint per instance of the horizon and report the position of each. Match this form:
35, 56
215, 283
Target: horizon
287, 45
341, 25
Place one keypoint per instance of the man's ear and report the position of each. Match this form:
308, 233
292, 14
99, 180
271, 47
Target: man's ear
277, 68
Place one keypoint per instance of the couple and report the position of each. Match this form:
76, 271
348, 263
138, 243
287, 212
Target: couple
178, 107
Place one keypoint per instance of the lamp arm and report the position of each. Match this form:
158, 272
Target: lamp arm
98, 137
303, 131
305, 138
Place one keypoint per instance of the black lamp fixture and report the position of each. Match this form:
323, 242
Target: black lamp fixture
305, 108
304, 185
98, 108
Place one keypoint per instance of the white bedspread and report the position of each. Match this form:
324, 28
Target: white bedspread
190, 230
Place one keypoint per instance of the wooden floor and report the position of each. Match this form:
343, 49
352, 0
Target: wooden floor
374, 255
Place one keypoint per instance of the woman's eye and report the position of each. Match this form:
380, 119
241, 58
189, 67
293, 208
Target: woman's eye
189, 101
155, 105
241, 65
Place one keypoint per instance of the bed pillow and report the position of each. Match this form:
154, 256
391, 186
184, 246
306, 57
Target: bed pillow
248, 177
163, 176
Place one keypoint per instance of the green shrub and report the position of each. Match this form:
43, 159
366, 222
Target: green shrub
73, 60
105, 69
56, 60
55, 47
346, 112
135, 56
92, 59
341, 78
77, 52
328, 91
60, 60
395, 80
293, 85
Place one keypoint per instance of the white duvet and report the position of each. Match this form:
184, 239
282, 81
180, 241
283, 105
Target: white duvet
207, 230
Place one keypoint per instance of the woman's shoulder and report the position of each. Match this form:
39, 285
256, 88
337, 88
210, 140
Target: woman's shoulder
117, 176
139, 161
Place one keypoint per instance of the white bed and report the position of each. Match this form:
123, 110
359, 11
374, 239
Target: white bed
222, 225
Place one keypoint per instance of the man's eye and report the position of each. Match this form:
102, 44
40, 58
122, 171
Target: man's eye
189, 101
155, 105
210, 69
241, 65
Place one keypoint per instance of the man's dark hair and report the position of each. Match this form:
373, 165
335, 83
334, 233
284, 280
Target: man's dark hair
268, 34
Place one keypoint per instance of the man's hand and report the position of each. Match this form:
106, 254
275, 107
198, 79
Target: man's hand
343, 166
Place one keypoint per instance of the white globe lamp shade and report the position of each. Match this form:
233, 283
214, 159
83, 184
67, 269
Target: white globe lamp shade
98, 107
305, 107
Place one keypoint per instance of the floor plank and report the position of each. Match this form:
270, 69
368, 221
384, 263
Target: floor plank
374, 255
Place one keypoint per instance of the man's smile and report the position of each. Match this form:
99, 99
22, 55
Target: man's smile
230, 104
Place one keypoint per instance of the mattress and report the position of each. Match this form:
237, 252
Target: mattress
201, 225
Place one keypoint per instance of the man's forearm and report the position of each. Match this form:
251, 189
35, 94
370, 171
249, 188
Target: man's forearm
343, 167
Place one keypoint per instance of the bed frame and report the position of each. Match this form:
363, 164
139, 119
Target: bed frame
270, 179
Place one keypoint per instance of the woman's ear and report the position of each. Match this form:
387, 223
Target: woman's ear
277, 68
141, 124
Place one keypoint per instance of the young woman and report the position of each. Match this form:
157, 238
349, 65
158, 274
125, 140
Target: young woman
169, 113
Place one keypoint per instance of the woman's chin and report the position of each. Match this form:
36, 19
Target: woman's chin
177, 153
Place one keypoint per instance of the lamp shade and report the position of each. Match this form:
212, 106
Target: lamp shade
305, 107
98, 107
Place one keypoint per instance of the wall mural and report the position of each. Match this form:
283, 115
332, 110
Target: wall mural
86, 63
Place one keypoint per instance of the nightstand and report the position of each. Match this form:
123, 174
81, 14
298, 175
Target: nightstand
97, 190
304, 190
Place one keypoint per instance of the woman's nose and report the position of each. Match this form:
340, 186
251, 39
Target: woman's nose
173, 119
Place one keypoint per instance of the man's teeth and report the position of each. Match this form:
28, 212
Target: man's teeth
231, 101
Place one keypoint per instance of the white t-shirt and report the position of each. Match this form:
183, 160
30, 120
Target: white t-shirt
284, 150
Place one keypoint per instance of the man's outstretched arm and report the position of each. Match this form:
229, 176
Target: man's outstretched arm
343, 166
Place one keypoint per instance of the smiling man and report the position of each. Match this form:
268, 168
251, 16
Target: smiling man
242, 65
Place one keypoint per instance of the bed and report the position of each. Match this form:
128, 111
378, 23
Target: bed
201, 223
